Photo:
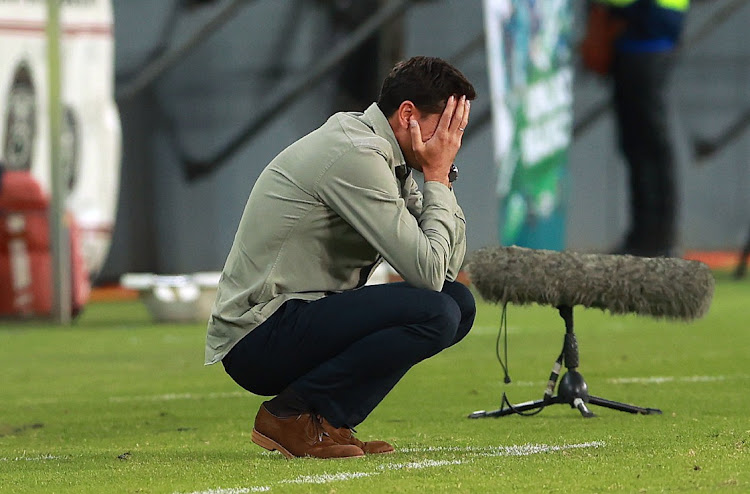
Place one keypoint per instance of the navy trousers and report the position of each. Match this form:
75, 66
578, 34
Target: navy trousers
342, 354
641, 86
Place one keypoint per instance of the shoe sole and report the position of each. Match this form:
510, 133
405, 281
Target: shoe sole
270, 444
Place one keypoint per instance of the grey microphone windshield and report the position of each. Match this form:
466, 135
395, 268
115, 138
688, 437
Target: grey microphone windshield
658, 287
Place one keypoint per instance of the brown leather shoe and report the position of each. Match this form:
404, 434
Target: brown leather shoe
301, 435
344, 435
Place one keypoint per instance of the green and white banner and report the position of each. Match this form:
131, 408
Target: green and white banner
530, 72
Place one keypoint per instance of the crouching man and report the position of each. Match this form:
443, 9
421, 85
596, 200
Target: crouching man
293, 318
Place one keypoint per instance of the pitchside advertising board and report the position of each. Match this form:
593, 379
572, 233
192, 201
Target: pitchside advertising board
529, 60
90, 140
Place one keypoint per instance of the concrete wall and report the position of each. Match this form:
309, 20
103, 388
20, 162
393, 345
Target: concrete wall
167, 224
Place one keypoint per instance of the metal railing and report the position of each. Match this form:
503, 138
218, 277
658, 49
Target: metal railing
295, 87
162, 63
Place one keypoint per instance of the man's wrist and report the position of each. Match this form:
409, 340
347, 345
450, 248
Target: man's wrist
443, 180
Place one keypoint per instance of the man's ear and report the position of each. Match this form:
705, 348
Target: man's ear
405, 112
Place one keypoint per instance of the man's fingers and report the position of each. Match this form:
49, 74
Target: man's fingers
416, 135
458, 115
445, 118
465, 118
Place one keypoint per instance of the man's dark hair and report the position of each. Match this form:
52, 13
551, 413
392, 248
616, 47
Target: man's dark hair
427, 82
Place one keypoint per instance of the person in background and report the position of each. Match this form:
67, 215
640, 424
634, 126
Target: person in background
634, 42
293, 318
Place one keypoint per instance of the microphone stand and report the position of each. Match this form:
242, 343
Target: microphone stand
572, 389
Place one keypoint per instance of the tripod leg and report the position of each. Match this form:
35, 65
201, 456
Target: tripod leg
623, 407
581, 406
521, 407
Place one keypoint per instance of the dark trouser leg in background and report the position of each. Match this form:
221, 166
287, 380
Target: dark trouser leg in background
741, 269
640, 98
342, 354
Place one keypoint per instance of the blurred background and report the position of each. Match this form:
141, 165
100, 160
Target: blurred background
169, 223
208, 92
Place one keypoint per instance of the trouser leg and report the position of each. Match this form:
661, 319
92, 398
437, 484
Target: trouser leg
343, 354
640, 96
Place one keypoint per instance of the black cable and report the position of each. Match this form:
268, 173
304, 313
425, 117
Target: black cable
503, 329
504, 402
554, 375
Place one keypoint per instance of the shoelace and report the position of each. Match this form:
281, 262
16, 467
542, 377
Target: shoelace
351, 432
317, 426
348, 434
345, 432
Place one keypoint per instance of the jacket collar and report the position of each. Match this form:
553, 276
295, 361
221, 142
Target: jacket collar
382, 127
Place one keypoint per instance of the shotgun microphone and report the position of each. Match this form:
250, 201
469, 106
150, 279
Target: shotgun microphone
660, 287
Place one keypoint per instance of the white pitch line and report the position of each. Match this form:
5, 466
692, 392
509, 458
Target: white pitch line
648, 380
541, 384
237, 490
515, 450
325, 478
669, 379
416, 465
33, 458
180, 396
242, 394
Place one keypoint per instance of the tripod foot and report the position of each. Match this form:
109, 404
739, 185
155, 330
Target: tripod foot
581, 406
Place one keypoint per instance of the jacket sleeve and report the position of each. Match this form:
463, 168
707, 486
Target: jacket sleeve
360, 187
413, 198
459, 251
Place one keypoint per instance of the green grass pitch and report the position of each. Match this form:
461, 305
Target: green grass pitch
118, 404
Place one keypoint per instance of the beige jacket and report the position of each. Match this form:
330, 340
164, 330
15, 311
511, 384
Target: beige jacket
322, 215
